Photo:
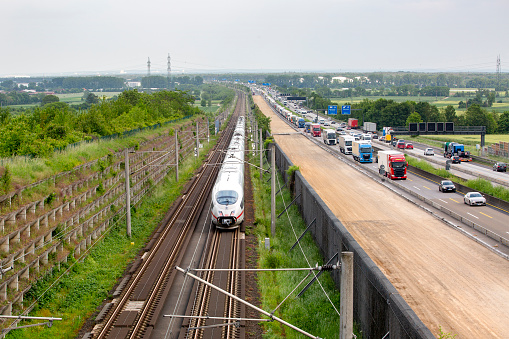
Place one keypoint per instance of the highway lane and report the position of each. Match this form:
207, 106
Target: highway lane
492, 218
466, 170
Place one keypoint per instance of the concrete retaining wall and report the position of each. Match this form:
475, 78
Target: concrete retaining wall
378, 308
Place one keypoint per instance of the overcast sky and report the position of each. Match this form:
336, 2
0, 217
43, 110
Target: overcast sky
66, 36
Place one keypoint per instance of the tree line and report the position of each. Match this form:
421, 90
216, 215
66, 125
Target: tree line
38, 131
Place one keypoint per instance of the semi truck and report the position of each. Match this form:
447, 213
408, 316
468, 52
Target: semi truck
329, 136
316, 130
394, 164
353, 123
302, 122
345, 143
307, 127
369, 127
453, 148
362, 151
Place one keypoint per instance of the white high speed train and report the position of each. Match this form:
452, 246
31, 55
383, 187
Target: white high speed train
228, 192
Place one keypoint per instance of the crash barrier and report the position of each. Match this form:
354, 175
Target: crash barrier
378, 308
504, 205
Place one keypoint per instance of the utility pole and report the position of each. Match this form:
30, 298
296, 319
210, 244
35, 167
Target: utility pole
261, 154
498, 73
127, 193
208, 130
273, 191
176, 157
197, 142
148, 67
169, 72
346, 302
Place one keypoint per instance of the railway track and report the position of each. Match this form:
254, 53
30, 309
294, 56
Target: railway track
143, 292
213, 314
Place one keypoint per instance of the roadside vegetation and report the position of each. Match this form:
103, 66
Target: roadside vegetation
480, 185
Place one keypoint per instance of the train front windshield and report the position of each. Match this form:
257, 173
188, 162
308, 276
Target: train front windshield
227, 197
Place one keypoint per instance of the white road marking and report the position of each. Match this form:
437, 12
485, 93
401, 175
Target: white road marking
417, 188
443, 200
473, 215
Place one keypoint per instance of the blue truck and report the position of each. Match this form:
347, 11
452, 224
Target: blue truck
302, 121
362, 151
454, 148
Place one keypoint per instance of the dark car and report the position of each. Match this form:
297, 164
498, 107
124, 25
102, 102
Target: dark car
456, 159
446, 186
500, 167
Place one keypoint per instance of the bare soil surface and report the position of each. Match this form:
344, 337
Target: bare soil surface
447, 279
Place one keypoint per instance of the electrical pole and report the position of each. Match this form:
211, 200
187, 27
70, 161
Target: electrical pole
498, 73
197, 142
148, 67
273, 191
169, 72
261, 154
346, 292
176, 157
127, 193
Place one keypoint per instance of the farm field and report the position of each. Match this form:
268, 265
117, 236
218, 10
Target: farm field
440, 102
75, 98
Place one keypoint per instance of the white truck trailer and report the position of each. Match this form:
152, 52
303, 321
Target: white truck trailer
345, 143
329, 136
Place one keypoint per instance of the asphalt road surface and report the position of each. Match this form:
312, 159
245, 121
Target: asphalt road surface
447, 279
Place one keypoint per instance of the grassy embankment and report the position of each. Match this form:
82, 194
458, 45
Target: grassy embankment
313, 312
24, 170
480, 185
77, 294
470, 142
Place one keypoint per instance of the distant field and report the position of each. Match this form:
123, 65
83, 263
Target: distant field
440, 102
213, 108
75, 98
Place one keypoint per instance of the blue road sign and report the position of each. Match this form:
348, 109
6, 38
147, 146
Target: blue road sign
332, 110
345, 110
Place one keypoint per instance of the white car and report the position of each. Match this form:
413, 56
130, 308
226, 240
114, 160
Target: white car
474, 198
429, 151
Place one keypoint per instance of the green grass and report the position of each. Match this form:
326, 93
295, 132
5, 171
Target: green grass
312, 312
440, 102
25, 170
75, 98
77, 295
480, 185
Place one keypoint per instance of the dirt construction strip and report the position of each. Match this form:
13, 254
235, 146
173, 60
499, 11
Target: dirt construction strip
447, 279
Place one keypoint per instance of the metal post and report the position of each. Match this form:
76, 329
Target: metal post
208, 130
127, 193
346, 302
197, 141
176, 157
273, 191
261, 154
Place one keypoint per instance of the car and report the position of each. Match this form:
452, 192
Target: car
375, 136
456, 159
474, 198
400, 143
446, 186
333, 123
500, 167
409, 145
429, 151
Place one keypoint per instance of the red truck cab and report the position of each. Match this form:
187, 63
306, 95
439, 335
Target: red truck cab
316, 130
